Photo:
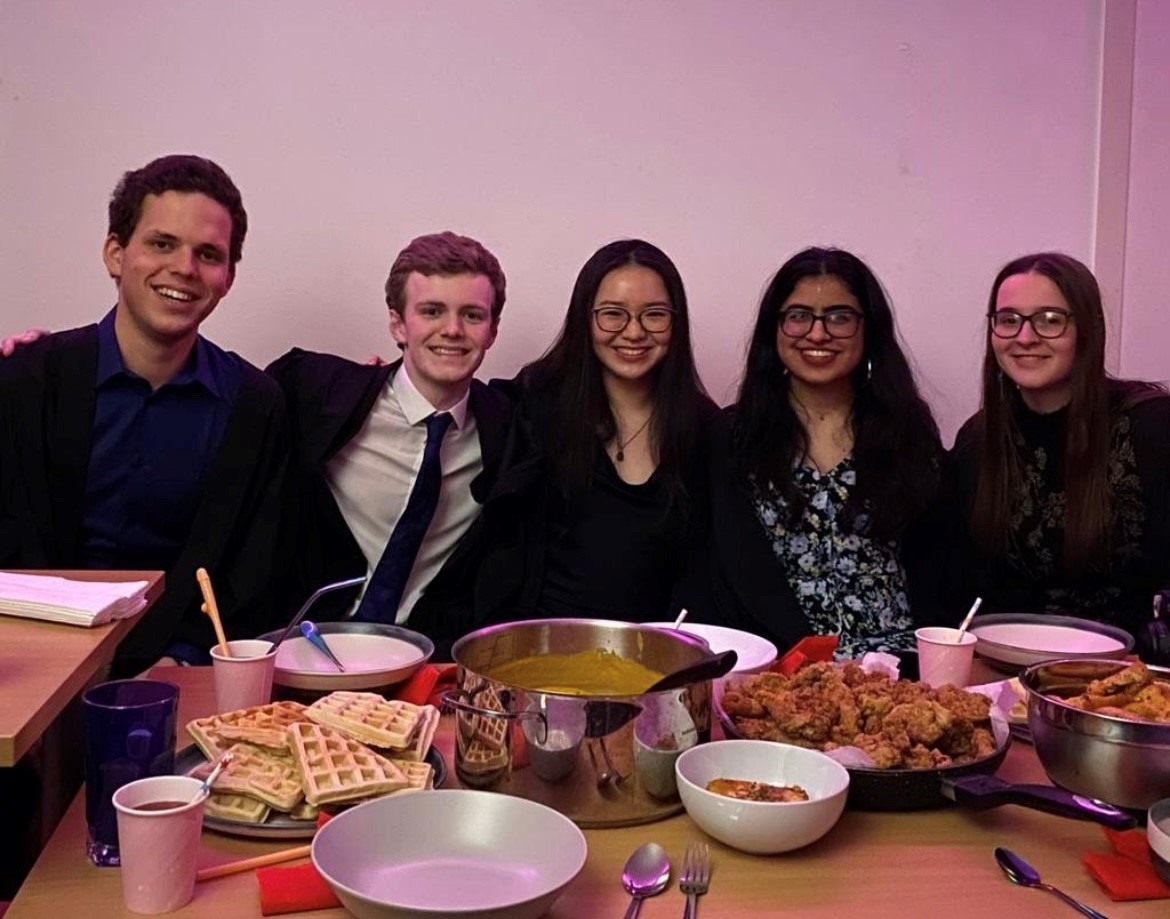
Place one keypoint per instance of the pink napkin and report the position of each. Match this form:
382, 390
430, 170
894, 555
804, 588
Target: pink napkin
1128, 875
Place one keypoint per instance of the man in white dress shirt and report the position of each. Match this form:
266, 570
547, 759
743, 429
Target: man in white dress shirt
360, 430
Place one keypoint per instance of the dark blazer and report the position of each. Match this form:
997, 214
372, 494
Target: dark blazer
736, 580
329, 400
47, 399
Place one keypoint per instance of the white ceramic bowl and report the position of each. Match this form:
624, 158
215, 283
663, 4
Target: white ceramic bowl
1158, 837
762, 827
374, 656
449, 854
755, 654
1011, 642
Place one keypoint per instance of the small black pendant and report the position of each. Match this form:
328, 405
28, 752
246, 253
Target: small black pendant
620, 456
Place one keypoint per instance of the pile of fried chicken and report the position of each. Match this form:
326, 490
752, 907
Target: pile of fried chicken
900, 724
1131, 693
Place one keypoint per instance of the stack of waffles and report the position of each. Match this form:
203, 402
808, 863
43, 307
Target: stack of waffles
292, 759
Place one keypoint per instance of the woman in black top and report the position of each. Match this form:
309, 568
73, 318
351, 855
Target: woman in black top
826, 472
598, 494
1065, 472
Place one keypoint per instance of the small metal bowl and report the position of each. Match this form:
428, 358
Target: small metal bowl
1123, 762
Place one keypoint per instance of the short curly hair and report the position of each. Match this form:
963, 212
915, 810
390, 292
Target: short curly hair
182, 173
445, 254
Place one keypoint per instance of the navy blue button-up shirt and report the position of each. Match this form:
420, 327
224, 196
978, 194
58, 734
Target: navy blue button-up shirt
149, 453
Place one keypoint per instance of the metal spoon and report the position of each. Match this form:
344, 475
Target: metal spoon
317, 594
317, 640
647, 873
1020, 872
710, 667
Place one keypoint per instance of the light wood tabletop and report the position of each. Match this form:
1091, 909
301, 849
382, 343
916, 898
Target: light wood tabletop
44, 665
925, 863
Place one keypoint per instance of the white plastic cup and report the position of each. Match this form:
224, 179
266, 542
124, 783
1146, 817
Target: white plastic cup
944, 655
244, 679
159, 848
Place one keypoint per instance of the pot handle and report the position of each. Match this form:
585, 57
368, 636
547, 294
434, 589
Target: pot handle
981, 792
457, 699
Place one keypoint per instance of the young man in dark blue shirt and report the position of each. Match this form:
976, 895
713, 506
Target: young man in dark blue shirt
137, 443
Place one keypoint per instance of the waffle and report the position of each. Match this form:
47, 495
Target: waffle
421, 776
240, 808
305, 811
261, 774
477, 758
424, 735
367, 717
335, 768
246, 724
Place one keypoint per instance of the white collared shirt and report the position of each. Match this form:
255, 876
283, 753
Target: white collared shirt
371, 478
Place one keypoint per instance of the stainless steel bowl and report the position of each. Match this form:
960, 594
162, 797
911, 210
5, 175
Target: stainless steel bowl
1126, 763
600, 760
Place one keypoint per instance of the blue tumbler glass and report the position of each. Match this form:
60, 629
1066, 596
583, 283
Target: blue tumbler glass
129, 734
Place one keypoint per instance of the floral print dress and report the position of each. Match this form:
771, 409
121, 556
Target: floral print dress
847, 583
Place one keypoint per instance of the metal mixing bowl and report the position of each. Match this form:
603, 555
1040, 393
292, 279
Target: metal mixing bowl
1126, 763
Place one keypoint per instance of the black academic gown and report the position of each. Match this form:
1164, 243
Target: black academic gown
329, 400
47, 400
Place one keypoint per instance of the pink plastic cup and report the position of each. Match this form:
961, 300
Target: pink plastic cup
244, 679
943, 656
159, 845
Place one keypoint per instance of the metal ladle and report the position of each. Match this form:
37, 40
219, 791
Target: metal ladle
1020, 872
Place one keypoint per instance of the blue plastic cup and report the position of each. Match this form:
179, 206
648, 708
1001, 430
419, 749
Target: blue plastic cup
129, 735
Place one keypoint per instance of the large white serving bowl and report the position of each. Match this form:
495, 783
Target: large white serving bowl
374, 656
755, 654
762, 827
448, 854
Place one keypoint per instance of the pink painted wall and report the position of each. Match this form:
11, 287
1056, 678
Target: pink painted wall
936, 138
1145, 327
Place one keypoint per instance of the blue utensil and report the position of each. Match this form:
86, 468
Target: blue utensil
320, 592
309, 630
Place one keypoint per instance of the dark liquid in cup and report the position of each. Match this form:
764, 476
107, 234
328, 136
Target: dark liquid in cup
160, 805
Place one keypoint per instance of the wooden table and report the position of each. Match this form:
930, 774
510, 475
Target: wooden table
929, 863
44, 665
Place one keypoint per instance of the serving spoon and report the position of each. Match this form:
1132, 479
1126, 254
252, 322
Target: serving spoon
647, 873
1020, 872
710, 667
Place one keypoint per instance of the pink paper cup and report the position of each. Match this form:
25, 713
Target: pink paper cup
943, 657
244, 679
159, 845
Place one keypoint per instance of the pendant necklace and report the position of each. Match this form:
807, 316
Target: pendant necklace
621, 446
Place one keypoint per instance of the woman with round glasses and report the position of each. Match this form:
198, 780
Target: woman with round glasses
825, 471
597, 494
1064, 473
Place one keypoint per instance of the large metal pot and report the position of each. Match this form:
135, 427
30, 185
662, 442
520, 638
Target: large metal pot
1126, 763
600, 760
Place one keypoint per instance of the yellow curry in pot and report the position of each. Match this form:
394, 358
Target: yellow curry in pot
587, 673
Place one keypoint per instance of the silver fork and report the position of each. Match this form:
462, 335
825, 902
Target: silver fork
695, 876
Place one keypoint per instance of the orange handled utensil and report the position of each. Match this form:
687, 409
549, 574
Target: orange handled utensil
212, 609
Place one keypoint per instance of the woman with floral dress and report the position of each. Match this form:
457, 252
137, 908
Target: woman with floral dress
1064, 474
826, 474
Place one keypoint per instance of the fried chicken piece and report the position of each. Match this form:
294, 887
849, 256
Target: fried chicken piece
962, 704
923, 721
1151, 704
959, 740
983, 743
1124, 682
923, 757
885, 753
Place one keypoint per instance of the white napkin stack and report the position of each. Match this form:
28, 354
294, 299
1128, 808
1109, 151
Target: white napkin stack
56, 599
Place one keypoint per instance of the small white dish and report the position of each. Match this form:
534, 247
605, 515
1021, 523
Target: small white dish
455, 855
1158, 837
373, 655
755, 654
762, 827
1012, 642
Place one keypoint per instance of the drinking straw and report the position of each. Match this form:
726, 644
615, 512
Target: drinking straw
679, 621
212, 609
247, 864
967, 619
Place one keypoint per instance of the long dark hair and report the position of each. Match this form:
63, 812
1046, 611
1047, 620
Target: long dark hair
896, 445
1088, 523
569, 377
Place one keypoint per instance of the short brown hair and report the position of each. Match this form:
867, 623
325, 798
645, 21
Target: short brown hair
446, 254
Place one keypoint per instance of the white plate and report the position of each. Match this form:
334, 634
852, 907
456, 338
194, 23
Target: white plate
456, 854
1012, 642
373, 656
756, 654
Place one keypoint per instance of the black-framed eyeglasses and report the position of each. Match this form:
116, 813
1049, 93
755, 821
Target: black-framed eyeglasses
616, 318
841, 322
1046, 323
